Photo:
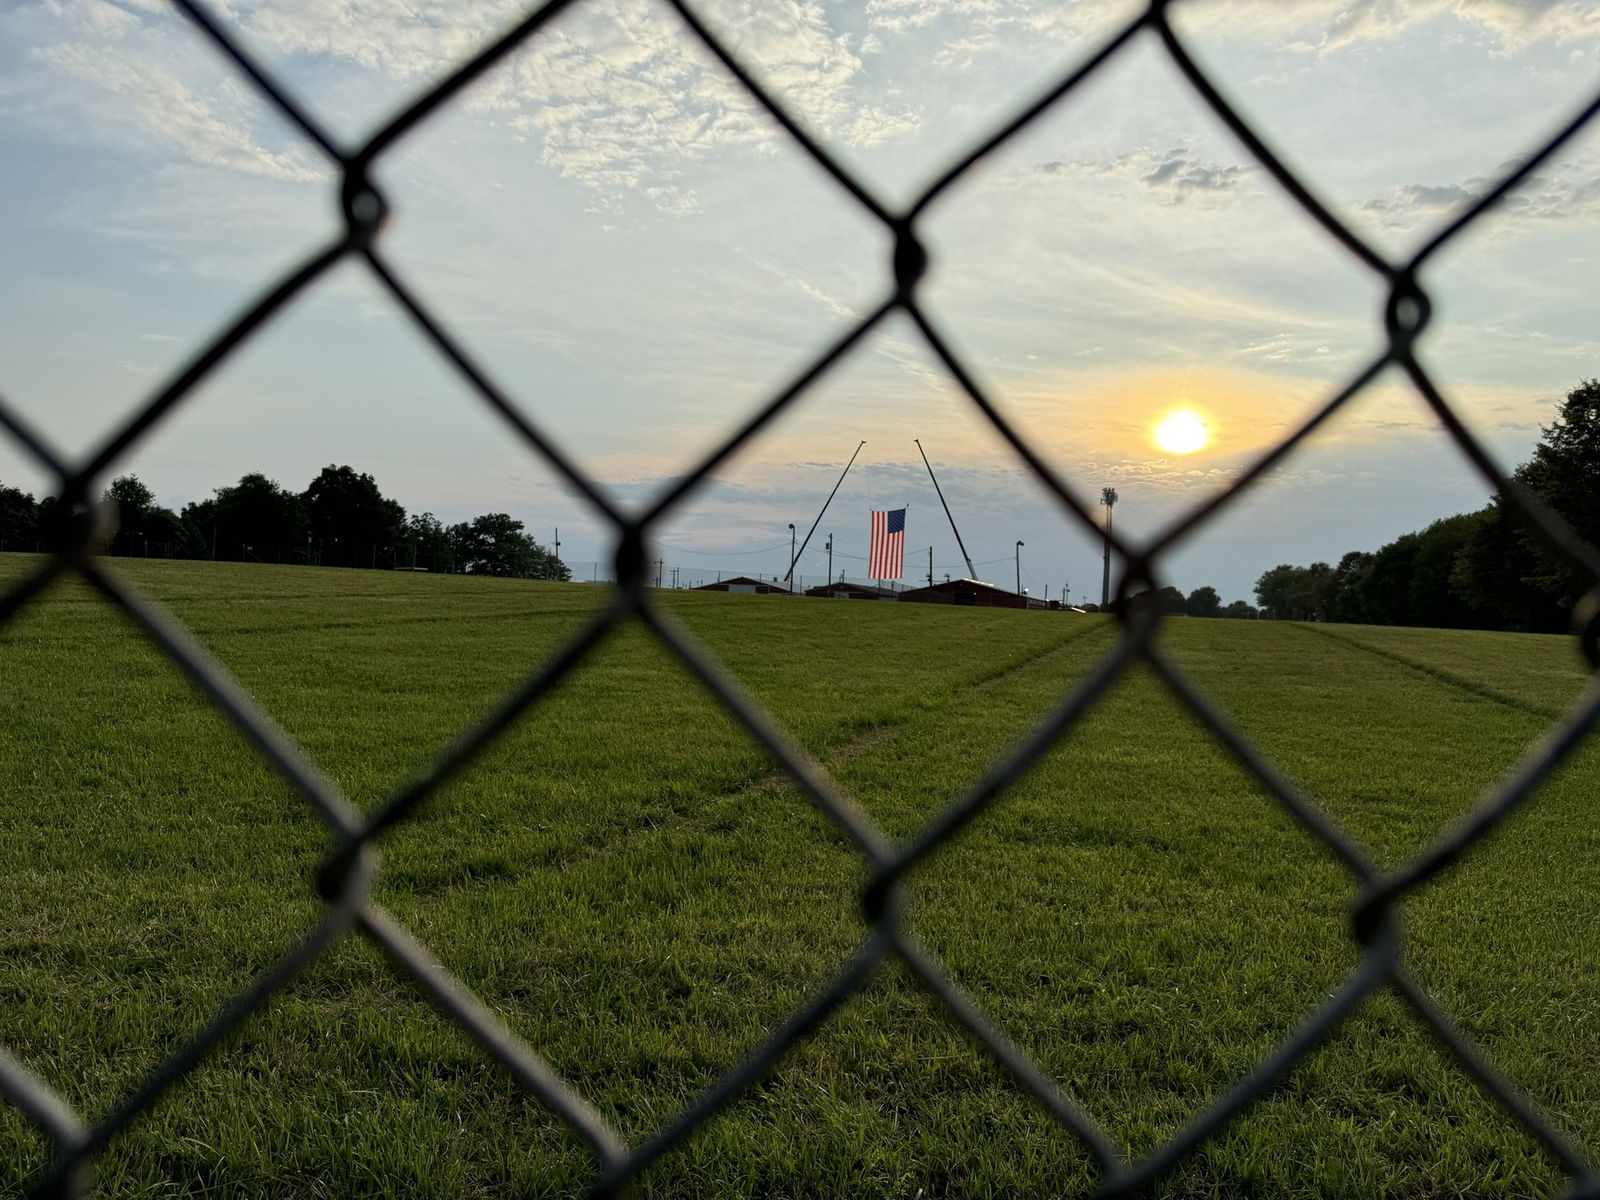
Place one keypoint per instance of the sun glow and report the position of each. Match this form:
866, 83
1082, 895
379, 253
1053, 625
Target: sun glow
1182, 432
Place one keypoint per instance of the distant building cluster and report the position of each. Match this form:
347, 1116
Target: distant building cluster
966, 592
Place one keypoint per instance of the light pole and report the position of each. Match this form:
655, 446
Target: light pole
1019, 571
830, 557
791, 558
1108, 497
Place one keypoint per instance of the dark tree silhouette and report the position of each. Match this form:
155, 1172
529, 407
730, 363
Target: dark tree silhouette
1493, 573
136, 514
19, 519
428, 544
495, 544
1565, 472
255, 520
351, 522
1290, 593
1203, 602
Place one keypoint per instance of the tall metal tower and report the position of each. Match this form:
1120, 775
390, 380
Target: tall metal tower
1108, 497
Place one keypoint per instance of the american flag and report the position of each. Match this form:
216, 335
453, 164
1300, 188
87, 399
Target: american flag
887, 558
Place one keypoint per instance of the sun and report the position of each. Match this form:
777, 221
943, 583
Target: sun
1183, 432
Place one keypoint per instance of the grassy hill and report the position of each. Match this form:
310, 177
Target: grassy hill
627, 884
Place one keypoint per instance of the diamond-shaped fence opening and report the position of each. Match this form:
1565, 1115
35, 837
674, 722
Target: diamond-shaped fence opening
345, 880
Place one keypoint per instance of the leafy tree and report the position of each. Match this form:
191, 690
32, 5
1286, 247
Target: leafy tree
1317, 590
495, 544
1289, 593
1434, 599
1565, 473
1277, 591
1239, 610
1169, 600
1349, 577
48, 520
19, 519
1493, 570
1203, 602
135, 503
166, 536
1386, 587
429, 544
351, 521
255, 520
130, 496
59, 524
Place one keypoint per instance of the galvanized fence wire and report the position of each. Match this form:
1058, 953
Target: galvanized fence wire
346, 878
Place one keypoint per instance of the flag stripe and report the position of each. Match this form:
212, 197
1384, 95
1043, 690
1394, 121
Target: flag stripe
886, 558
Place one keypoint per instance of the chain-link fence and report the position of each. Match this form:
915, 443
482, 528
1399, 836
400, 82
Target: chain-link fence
346, 878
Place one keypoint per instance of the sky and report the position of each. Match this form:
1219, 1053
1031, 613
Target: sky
641, 258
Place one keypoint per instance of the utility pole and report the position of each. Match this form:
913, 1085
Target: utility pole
791, 557
658, 573
830, 556
930, 566
674, 578
1108, 497
1019, 571
558, 543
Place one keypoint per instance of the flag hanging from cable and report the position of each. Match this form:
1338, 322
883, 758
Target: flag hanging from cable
887, 557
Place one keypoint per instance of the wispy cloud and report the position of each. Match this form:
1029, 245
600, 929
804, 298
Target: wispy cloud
1330, 26
1174, 173
121, 86
1569, 193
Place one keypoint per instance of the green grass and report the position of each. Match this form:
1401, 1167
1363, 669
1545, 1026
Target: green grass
625, 883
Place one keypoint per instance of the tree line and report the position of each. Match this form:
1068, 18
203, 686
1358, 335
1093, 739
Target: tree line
1488, 569
341, 519
1202, 602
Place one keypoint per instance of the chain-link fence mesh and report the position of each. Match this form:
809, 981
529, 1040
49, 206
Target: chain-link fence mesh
346, 878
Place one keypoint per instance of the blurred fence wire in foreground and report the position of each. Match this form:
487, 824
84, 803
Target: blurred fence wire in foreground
346, 877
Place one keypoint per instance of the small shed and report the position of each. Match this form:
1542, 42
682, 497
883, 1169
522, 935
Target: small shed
972, 593
743, 583
840, 589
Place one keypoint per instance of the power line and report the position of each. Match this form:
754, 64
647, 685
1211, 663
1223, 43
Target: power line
720, 553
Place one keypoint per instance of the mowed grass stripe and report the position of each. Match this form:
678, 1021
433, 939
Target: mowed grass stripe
1544, 670
1134, 911
1393, 753
774, 785
1446, 677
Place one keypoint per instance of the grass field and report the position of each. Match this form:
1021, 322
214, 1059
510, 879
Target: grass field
624, 882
